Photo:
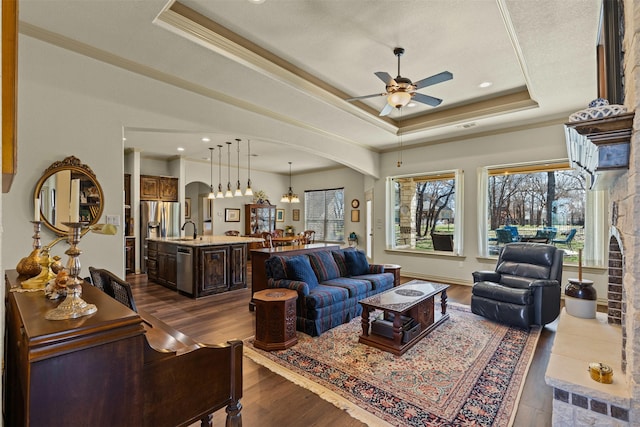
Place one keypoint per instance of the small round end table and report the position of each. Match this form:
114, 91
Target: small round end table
395, 269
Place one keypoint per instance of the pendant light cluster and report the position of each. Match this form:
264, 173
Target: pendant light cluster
290, 196
228, 193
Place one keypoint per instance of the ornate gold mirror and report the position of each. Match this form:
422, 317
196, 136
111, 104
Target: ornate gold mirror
61, 181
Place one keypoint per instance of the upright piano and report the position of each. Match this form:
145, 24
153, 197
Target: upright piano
115, 367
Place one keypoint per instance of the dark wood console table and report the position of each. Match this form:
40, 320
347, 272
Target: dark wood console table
112, 368
259, 256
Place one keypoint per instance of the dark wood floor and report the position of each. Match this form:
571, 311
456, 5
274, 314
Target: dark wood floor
270, 400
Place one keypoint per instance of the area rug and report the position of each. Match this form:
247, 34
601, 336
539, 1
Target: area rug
468, 371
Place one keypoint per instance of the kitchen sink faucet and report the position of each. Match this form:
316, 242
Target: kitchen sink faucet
195, 229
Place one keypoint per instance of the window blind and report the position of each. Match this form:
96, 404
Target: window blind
324, 214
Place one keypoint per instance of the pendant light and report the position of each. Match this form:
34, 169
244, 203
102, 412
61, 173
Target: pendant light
248, 191
238, 192
211, 195
228, 193
290, 196
220, 193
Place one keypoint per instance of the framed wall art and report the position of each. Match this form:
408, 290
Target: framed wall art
279, 215
296, 214
355, 215
231, 215
187, 207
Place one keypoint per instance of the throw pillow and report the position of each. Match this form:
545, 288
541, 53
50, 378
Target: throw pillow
299, 268
356, 262
324, 265
338, 257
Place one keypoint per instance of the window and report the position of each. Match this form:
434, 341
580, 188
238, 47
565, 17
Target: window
543, 203
324, 214
424, 212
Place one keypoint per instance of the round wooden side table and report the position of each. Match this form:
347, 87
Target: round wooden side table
275, 319
395, 269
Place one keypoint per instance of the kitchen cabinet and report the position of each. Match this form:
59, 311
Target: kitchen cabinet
238, 270
164, 188
167, 265
212, 277
130, 255
152, 261
149, 187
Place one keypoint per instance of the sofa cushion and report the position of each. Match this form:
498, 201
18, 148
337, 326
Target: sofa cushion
299, 268
324, 296
357, 288
356, 263
524, 270
324, 265
379, 282
515, 281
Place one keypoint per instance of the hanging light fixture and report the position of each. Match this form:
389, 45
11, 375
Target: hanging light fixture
238, 192
228, 193
248, 191
290, 196
220, 193
212, 194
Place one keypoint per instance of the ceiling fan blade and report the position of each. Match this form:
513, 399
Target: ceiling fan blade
426, 99
365, 97
386, 110
435, 79
385, 77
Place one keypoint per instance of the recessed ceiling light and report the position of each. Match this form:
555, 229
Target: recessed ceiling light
411, 104
205, 139
256, 1
124, 139
485, 84
180, 149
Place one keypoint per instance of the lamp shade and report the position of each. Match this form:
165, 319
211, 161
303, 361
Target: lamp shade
399, 99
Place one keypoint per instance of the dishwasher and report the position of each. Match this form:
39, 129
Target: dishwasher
185, 270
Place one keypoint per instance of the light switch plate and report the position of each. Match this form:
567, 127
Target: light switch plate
113, 219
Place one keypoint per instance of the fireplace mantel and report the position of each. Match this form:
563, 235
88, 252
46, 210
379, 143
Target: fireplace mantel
600, 147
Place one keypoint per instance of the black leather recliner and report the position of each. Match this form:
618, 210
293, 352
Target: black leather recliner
525, 288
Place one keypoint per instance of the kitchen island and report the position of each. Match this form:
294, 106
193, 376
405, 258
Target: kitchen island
199, 267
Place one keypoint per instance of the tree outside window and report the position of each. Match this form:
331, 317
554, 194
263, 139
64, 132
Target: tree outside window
424, 216
543, 204
324, 214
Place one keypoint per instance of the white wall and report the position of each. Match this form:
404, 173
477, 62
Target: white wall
543, 143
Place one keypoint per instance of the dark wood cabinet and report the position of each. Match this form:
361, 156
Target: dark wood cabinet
130, 255
149, 187
259, 218
113, 368
164, 188
238, 270
168, 189
166, 265
152, 261
213, 267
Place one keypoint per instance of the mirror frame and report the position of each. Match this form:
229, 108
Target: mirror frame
72, 164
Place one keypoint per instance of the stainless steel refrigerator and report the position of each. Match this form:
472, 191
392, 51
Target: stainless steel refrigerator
158, 219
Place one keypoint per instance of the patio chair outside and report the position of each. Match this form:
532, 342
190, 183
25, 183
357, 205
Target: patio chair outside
567, 240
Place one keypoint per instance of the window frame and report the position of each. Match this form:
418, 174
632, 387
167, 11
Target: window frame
306, 212
595, 211
458, 232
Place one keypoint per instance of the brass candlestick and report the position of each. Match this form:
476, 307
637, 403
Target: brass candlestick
73, 306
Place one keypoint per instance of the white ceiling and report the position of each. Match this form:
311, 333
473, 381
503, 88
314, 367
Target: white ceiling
295, 61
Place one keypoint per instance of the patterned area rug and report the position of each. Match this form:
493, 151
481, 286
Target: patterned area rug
468, 371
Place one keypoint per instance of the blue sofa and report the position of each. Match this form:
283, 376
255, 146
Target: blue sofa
329, 285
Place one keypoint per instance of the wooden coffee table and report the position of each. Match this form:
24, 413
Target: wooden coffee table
414, 299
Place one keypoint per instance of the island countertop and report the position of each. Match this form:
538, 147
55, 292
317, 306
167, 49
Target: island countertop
206, 240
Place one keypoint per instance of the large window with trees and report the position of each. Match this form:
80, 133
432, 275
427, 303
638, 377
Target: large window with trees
324, 214
542, 203
425, 209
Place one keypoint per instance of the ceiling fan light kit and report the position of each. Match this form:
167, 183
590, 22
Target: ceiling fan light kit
400, 91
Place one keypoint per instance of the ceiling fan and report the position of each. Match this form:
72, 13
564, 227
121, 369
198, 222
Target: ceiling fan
400, 91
